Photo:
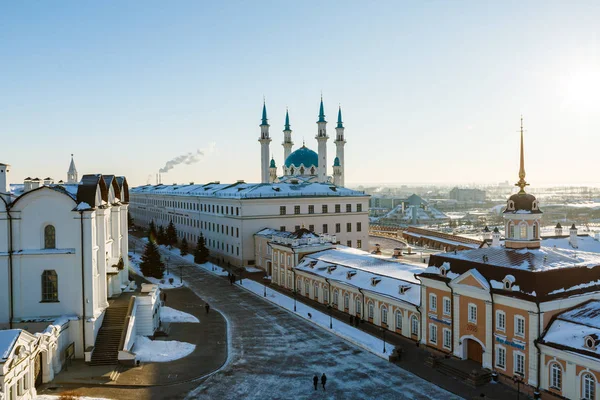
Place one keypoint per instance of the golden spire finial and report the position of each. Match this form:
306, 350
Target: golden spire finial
522, 182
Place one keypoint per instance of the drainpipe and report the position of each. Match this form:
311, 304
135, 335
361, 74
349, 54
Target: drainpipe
418, 306
10, 263
363, 307
451, 316
82, 286
539, 352
493, 325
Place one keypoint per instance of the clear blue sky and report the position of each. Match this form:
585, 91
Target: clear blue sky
431, 91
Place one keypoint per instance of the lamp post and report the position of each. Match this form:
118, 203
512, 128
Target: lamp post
518, 379
265, 286
294, 271
383, 334
330, 316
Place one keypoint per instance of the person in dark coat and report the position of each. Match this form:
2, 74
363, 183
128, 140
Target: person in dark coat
207, 308
351, 320
316, 381
323, 380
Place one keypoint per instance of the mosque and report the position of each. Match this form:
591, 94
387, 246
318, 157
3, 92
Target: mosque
303, 164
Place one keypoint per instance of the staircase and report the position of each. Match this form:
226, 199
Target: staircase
106, 349
465, 371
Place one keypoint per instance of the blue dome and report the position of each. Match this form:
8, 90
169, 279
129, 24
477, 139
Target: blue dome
303, 155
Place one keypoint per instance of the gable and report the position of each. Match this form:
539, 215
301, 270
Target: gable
472, 278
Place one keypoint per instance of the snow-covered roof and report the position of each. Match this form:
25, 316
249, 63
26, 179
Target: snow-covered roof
584, 243
390, 273
8, 338
242, 190
570, 329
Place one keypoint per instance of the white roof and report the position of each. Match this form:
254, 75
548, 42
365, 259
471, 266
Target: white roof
584, 243
392, 274
8, 338
242, 190
572, 327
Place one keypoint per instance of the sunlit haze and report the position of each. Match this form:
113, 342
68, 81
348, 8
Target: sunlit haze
431, 92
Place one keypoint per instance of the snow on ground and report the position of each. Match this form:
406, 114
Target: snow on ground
345, 331
254, 269
210, 267
147, 350
134, 263
168, 314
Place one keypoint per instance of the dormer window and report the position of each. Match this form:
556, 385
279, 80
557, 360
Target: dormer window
511, 205
403, 288
444, 269
375, 281
534, 205
591, 341
508, 282
332, 268
312, 264
350, 274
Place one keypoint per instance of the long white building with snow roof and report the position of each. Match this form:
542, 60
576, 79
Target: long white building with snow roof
229, 215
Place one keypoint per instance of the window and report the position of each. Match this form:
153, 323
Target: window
296, 228
472, 313
324, 228
588, 389
282, 210
371, 310
359, 208
311, 209
307, 288
348, 207
296, 209
432, 302
326, 296
358, 227
519, 326
335, 297
447, 338
282, 228
500, 357
535, 231
433, 333
289, 281
384, 313
338, 208
338, 228
357, 304
346, 301
359, 244
282, 280
349, 227
523, 229
324, 209
49, 237
298, 284
519, 363
311, 228
398, 320
49, 286
316, 291
555, 376
511, 229
447, 306
500, 321
349, 243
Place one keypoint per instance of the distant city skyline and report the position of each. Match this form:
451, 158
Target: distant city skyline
431, 92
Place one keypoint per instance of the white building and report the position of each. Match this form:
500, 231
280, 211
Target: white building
228, 215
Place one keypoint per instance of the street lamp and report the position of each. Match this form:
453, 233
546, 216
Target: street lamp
383, 334
330, 316
265, 285
294, 271
518, 379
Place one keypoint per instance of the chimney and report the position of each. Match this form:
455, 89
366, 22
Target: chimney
397, 252
35, 183
573, 236
4, 184
26, 185
48, 181
558, 231
486, 235
496, 238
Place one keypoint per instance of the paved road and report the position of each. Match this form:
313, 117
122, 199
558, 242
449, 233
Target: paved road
274, 355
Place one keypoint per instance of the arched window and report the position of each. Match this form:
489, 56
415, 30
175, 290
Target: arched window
316, 292
511, 230
49, 237
358, 304
306, 288
312, 171
535, 230
299, 285
588, 386
398, 320
326, 295
301, 170
523, 229
371, 309
292, 171
335, 297
346, 301
384, 315
414, 325
290, 281
49, 286
555, 376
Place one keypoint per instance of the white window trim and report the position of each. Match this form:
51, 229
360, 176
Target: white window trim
498, 328
447, 299
431, 325
432, 302
550, 378
515, 353
396, 314
384, 308
412, 325
498, 348
517, 317
472, 305
444, 338
582, 383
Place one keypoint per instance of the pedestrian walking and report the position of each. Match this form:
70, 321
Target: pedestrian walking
323, 380
316, 381
207, 308
164, 298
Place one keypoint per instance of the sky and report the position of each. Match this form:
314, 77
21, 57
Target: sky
431, 91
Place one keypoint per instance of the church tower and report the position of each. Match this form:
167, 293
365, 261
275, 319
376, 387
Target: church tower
287, 137
72, 173
272, 172
522, 214
322, 140
264, 140
340, 141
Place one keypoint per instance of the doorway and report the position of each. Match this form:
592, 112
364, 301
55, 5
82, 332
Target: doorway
474, 351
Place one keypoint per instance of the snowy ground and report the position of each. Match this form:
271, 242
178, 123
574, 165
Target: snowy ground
134, 263
147, 350
168, 314
356, 336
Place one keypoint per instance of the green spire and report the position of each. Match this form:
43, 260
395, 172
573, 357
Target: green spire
339, 123
264, 114
287, 121
336, 162
272, 164
321, 112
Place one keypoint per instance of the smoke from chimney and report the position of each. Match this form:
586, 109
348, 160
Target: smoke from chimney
189, 158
